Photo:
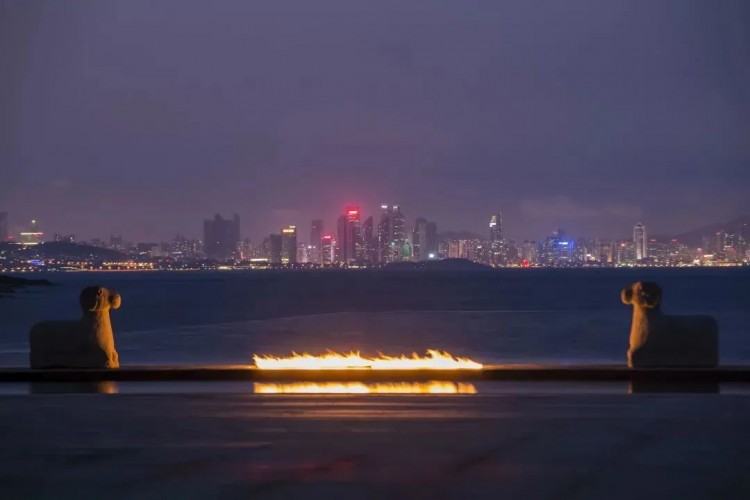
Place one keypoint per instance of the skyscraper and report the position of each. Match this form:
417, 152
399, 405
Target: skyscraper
497, 243
275, 246
391, 234
327, 246
399, 225
183, 248
640, 241
316, 234
3, 227
721, 239
384, 234
556, 250
419, 239
220, 236
349, 241
432, 240
369, 247
424, 239
496, 227
625, 252
529, 253
339, 250
289, 245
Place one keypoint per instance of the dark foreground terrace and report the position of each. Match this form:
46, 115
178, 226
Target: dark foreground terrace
508, 439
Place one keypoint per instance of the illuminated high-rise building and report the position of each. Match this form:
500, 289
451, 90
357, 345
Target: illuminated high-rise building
399, 225
264, 252
349, 242
183, 248
327, 247
369, 246
275, 248
384, 234
529, 253
461, 249
424, 240
640, 241
497, 249
338, 251
496, 228
432, 240
316, 234
3, 227
606, 252
391, 234
302, 253
556, 250
720, 244
419, 239
289, 245
626, 253
221, 236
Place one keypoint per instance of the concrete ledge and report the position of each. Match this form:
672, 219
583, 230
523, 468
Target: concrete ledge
611, 373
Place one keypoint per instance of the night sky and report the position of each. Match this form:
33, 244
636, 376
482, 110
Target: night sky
146, 117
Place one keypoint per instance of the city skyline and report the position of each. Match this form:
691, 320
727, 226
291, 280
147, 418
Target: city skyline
496, 224
259, 227
379, 240
359, 245
586, 115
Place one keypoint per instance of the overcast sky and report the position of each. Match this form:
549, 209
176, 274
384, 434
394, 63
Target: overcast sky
142, 118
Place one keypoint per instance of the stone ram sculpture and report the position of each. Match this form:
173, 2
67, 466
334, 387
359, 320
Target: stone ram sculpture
662, 340
85, 343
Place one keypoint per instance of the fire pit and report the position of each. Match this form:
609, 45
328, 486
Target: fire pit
434, 360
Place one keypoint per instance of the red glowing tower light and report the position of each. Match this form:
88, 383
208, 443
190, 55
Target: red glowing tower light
352, 212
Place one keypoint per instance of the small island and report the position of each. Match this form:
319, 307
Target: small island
8, 284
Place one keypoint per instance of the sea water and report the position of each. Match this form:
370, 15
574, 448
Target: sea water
505, 316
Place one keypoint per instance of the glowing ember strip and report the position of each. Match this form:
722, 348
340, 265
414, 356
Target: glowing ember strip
432, 387
435, 360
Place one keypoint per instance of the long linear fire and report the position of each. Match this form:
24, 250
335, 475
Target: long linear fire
431, 387
434, 360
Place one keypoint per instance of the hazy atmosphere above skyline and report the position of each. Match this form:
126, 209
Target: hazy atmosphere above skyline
143, 118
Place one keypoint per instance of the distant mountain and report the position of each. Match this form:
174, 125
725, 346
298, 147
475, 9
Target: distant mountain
458, 235
61, 249
57, 249
695, 237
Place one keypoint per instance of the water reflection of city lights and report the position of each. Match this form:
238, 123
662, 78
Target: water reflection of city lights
432, 387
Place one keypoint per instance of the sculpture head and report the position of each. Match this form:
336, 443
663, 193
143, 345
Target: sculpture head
646, 294
98, 298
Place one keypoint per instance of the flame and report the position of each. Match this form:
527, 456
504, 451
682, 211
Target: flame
432, 387
435, 360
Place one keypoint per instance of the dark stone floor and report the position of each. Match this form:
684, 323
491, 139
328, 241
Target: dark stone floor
511, 441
